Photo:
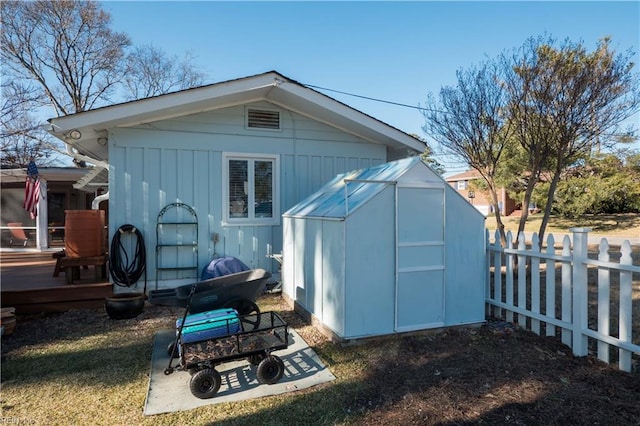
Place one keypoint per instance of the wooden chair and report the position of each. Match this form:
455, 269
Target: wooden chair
71, 266
17, 233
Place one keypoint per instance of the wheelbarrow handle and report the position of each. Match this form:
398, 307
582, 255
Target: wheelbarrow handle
179, 333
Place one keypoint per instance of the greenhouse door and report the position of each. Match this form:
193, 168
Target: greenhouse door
420, 257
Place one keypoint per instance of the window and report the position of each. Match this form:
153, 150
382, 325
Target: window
250, 189
262, 119
462, 184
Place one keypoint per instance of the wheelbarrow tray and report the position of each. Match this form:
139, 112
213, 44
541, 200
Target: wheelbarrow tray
259, 334
214, 293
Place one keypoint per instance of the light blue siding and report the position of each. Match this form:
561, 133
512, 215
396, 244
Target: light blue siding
180, 160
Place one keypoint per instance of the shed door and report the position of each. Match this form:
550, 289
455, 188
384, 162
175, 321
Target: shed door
420, 258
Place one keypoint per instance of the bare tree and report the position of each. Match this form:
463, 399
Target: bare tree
67, 48
470, 121
565, 101
150, 72
70, 59
21, 136
58, 55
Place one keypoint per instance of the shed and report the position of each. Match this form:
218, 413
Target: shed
386, 249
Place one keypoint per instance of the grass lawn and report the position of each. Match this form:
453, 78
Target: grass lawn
619, 225
82, 368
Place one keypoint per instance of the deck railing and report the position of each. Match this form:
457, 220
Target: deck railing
18, 233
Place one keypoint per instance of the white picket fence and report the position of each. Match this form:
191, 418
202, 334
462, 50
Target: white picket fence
588, 313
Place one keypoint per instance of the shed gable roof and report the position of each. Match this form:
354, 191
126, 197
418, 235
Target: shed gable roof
347, 192
270, 86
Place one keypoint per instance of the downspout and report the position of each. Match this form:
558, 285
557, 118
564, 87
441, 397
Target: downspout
95, 204
81, 157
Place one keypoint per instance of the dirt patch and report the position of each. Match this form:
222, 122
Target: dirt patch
494, 374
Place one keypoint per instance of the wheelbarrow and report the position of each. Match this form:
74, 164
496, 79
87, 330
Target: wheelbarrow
237, 291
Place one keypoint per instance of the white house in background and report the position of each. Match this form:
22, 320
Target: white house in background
238, 153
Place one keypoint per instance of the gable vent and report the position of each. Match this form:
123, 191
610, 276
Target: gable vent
263, 119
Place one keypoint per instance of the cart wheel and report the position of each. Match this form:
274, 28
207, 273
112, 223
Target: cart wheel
256, 359
205, 383
270, 370
172, 351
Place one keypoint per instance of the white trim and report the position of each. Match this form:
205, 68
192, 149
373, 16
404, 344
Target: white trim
275, 202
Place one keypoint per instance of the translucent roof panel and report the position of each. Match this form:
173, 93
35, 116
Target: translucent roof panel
347, 192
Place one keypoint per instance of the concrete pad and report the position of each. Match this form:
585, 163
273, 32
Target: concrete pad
170, 393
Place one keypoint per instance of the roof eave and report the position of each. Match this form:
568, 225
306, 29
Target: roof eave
166, 106
327, 110
271, 86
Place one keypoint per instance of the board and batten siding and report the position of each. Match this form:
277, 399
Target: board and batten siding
181, 160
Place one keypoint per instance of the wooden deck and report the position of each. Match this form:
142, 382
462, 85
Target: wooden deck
27, 284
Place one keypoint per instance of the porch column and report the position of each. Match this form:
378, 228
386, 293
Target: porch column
42, 219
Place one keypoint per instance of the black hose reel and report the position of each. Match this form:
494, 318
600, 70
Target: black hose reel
126, 269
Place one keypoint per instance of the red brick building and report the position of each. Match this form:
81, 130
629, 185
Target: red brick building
464, 184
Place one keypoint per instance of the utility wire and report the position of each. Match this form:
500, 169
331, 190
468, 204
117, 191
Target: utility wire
373, 99
459, 167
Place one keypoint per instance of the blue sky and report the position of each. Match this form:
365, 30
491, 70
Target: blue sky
394, 51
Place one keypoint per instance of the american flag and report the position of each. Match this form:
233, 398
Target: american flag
32, 190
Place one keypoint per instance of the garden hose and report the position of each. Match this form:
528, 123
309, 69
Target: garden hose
124, 272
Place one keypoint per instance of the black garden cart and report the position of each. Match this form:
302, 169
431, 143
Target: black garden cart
201, 347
